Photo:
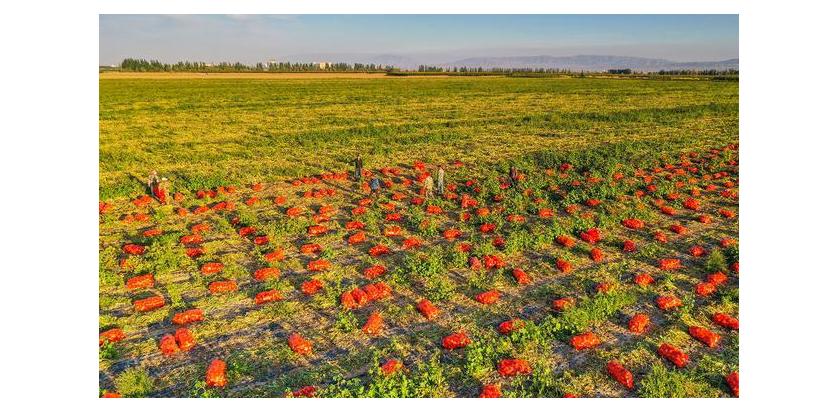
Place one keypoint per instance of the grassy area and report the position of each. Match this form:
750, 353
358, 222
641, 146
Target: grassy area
208, 132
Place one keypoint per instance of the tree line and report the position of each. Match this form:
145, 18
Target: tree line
142, 65
493, 70
730, 71
616, 71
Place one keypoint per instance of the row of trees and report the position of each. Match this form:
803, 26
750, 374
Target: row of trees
618, 71
710, 72
623, 71
142, 65
495, 70
713, 72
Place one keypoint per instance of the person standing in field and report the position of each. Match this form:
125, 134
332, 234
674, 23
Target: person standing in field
157, 186
513, 175
375, 186
440, 181
428, 186
358, 168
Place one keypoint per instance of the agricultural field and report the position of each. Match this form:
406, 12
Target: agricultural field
607, 268
217, 131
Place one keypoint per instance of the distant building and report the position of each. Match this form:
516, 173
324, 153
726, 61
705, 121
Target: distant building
323, 65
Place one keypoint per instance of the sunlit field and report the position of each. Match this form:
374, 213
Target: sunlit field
607, 268
211, 132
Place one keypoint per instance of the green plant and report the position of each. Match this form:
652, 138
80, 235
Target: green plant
427, 264
108, 351
518, 240
731, 254
108, 268
484, 352
200, 390
715, 262
164, 256
542, 383
596, 309
134, 382
239, 366
346, 321
425, 380
661, 382
441, 288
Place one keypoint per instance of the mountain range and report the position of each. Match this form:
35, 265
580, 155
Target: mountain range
592, 63
573, 63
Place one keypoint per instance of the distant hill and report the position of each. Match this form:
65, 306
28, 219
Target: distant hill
573, 63
591, 63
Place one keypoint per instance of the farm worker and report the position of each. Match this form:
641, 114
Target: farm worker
375, 185
428, 186
358, 168
157, 186
513, 175
440, 181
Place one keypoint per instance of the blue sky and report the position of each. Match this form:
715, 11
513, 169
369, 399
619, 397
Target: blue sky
425, 38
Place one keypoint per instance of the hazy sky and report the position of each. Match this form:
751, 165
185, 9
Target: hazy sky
426, 38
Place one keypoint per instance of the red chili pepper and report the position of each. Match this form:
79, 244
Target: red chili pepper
218, 287
585, 341
639, 323
150, 303
491, 391
299, 344
143, 281
732, 382
211, 268
510, 326
488, 297
374, 324
705, 336
725, 320
455, 341
168, 345
216, 374
668, 302
427, 309
620, 374
185, 340
189, 316
673, 354
311, 287
111, 336
268, 296
391, 366
513, 367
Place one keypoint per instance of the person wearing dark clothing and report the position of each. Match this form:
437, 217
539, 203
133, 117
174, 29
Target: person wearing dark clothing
358, 168
375, 185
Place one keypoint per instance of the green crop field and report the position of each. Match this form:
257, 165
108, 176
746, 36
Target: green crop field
607, 268
210, 132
